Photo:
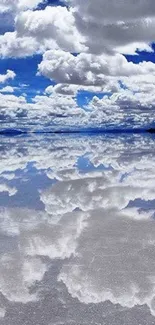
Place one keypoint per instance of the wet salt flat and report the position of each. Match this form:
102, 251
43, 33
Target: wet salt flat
77, 230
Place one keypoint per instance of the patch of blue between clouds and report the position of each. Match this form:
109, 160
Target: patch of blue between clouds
84, 97
51, 3
142, 56
26, 80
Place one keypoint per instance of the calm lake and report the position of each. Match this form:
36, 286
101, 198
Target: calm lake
77, 229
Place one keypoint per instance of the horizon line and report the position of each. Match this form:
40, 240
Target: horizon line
15, 132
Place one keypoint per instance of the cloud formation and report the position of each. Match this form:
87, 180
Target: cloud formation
9, 75
11, 5
83, 47
110, 25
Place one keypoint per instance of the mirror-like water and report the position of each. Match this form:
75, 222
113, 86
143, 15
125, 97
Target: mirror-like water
77, 230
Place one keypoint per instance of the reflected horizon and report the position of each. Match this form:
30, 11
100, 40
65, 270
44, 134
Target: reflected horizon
77, 229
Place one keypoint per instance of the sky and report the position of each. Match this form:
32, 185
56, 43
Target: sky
77, 64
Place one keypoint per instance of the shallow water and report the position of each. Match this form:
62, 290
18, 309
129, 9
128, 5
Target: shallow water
77, 230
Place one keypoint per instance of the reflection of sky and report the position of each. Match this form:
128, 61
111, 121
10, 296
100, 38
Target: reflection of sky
27, 183
77, 235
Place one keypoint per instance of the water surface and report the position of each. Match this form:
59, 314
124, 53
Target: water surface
77, 230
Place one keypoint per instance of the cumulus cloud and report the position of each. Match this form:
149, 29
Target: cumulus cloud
5, 188
53, 23
40, 30
13, 46
81, 27
127, 84
9, 75
13, 5
73, 89
87, 69
43, 111
7, 89
130, 109
109, 25
82, 45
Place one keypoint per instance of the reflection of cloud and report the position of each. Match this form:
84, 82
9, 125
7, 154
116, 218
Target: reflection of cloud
59, 157
55, 240
93, 193
17, 275
36, 235
14, 220
18, 271
2, 312
114, 261
88, 225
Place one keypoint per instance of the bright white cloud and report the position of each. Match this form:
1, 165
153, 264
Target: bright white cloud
53, 23
86, 69
7, 89
9, 75
98, 33
13, 46
122, 108
40, 30
14, 5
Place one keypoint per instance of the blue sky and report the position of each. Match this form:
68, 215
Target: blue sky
77, 64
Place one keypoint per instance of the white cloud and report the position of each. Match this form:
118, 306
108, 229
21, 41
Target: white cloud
129, 106
72, 89
5, 188
109, 25
81, 27
40, 30
53, 23
97, 34
13, 46
124, 108
87, 69
7, 89
9, 75
14, 5
28, 4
